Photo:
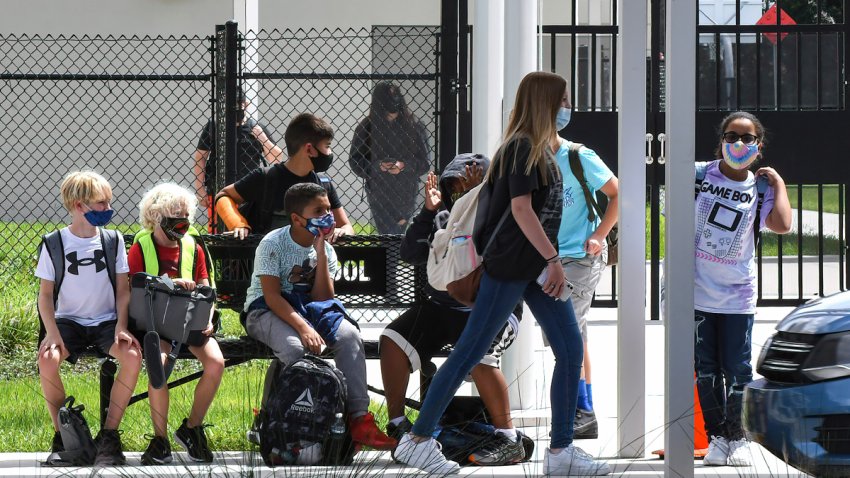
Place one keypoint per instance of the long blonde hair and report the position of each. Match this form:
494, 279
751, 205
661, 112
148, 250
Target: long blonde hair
538, 99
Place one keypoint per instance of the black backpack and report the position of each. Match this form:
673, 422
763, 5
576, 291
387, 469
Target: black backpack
300, 404
79, 447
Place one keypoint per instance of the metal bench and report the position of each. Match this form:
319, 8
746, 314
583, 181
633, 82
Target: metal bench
372, 279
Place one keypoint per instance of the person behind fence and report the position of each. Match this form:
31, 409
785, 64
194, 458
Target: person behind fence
290, 304
419, 333
308, 141
583, 250
732, 205
524, 180
390, 152
164, 246
255, 148
90, 309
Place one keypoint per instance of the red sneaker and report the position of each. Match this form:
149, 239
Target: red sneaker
366, 432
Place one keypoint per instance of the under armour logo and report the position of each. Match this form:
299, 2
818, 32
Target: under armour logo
99, 261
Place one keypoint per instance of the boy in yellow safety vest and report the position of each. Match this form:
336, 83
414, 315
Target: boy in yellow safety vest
167, 246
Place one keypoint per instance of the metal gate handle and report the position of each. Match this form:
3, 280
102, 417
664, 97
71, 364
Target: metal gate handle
662, 138
649, 138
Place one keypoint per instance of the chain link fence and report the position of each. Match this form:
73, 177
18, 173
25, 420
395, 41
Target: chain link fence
332, 74
140, 110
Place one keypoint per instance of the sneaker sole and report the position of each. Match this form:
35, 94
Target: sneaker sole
148, 461
183, 445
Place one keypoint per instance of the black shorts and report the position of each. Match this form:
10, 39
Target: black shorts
423, 331
81, 338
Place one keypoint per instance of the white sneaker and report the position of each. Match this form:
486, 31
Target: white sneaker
739, 453
425, 455
571, 461
718, 452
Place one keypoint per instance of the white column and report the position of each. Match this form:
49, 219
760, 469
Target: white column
247, 14
487, 70
631, 285
520, 59
679, 239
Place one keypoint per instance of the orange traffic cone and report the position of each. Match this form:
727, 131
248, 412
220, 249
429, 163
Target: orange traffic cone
700, 438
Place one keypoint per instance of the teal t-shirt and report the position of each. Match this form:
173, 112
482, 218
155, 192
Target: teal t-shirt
575, 228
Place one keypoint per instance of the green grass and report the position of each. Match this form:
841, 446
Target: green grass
770, 242
26, 423
810, 197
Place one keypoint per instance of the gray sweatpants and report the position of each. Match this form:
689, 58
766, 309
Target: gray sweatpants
349, 355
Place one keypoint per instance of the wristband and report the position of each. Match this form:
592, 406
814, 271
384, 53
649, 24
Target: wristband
226, 209
553, 258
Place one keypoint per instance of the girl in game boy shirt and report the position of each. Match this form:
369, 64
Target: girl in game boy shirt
727, 207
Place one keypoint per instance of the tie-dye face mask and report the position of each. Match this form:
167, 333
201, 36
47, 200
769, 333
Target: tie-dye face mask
739, 155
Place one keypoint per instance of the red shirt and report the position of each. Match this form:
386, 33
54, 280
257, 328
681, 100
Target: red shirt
168, 257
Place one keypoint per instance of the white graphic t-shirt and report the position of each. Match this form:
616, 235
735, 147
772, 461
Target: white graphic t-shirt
86, 294
725, 250
280, 256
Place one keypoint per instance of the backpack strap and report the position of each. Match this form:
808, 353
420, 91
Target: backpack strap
109, 242
761, 189
56, 251
577, 169
700, 170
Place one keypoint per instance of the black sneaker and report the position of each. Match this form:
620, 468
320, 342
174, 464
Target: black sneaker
398, 431
501, 451
56, 446
158, 452
194, 441
109, 449
585, 426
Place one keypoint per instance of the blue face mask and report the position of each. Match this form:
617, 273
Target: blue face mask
324, 224
98, 218
563, 118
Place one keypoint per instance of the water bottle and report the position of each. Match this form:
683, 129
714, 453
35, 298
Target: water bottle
337, 438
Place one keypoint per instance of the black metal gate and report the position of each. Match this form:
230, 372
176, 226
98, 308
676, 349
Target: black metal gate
791, 76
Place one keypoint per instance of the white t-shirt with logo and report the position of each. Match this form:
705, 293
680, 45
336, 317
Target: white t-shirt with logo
725, 250
86, 294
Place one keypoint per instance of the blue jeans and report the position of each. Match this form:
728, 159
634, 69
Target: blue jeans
496, 299
722, 354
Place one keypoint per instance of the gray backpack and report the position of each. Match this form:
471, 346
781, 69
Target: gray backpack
79, 447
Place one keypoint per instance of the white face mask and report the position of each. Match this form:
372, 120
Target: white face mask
562, 119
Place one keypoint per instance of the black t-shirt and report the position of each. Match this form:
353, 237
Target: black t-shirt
511, 256
251, 188
249, 151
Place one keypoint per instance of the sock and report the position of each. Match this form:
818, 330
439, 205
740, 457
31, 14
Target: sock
582, 395
508, 432
589, 389
395, 421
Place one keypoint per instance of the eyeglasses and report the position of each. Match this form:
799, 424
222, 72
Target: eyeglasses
733, 137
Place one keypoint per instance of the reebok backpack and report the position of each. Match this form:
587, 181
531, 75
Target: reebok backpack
301, 404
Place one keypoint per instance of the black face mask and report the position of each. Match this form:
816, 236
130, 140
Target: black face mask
395, 105
322, 162
174, 227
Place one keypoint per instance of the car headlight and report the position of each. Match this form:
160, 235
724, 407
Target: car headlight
829, 359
